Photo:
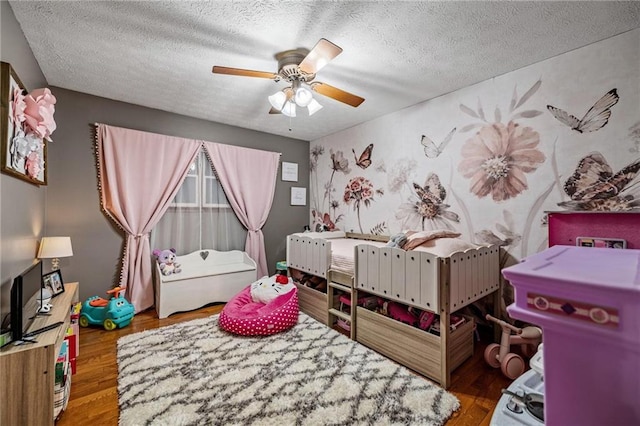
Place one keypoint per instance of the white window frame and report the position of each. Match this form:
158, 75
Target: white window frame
206, 178
200, 195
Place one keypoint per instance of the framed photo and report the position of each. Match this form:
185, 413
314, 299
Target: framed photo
24, 154
53, 281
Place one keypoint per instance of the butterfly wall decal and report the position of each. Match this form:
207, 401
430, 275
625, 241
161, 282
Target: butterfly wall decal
431, 150
365, 158
323, 222
594, 186
595, 119
432, 196
433, 192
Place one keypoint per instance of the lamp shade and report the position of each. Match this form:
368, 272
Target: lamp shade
289, 109
277, 100
303, 96
314, 106
53, 247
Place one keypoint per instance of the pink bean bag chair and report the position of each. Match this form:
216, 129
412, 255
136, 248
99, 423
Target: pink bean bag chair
241, 315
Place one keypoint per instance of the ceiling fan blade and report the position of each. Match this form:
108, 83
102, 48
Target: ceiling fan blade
274, 111
337, 94
323, 52
243, 72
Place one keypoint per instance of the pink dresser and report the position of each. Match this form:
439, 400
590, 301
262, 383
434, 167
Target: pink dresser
587, 301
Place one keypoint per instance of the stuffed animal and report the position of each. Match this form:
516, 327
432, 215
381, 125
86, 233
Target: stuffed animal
397, 240
268, 288
167, 260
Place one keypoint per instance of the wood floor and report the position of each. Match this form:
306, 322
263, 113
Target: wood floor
94, 395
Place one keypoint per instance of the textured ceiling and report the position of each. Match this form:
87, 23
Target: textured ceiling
159, 54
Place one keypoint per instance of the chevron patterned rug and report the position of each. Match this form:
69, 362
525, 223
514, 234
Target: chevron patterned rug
193, 373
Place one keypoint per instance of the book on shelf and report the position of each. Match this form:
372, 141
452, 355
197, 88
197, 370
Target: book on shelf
61, 362
61, 393
62, 384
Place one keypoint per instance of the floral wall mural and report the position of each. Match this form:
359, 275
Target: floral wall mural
489, 160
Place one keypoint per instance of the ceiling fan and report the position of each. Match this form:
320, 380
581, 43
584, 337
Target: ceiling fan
299, 67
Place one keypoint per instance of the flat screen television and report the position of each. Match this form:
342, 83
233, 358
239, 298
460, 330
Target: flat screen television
26, 297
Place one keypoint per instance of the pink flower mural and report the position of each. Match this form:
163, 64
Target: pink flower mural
497, 158
322, 219
358, 191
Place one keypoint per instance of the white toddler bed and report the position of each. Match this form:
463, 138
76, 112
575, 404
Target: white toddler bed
207, 276
442, 278
329, 255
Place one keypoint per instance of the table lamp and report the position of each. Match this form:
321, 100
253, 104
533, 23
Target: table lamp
54, 248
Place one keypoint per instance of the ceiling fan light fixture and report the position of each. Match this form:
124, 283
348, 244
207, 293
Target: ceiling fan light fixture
289, 109
314, 106
303, 96
277, 100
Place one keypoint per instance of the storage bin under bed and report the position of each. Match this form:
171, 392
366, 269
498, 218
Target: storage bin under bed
412, 347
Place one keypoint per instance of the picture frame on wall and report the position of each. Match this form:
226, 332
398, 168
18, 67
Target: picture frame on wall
53, 282
289, 172
24, 153
298, 196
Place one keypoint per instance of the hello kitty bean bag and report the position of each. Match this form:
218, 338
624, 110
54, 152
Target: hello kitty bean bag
249, 316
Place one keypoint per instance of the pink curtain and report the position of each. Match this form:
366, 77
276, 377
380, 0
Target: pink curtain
140, 173
248, 177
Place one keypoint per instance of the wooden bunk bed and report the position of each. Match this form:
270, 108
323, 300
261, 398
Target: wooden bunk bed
420, 279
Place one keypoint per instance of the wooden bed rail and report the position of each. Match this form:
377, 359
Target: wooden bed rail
416, 277
308, 254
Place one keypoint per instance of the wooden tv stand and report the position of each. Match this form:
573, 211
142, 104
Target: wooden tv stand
28, 370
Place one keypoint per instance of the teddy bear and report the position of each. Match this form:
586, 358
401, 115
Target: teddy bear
167, 260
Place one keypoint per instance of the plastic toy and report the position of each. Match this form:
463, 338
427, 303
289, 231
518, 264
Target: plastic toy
167, 261
368, 302
112, 313
498, 355
425, 320
402, 313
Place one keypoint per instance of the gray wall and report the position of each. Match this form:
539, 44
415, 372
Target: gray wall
73, 205
22, 205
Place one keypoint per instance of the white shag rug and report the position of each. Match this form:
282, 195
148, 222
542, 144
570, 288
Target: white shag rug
193, 373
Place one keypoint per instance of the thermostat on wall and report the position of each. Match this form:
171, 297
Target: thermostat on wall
601, 242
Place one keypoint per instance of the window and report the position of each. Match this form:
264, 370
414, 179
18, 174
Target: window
200, 216
201, 184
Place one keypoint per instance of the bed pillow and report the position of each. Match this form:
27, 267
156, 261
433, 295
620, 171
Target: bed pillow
444, 247
415, 239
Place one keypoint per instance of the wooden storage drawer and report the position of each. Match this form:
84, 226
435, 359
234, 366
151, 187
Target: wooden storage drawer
313, 303
410, 346
461, 344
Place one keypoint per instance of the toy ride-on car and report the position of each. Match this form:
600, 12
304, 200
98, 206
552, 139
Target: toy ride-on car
109, 313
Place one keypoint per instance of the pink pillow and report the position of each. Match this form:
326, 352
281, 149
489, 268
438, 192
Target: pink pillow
415, 239
241, 315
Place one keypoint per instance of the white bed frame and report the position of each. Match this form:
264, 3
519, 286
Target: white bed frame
414, 278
